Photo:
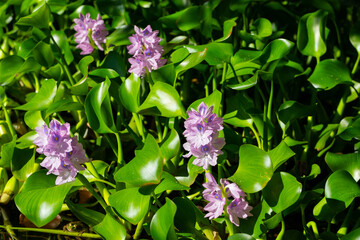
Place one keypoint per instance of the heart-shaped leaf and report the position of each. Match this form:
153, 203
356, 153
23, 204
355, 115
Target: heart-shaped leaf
255, 169
39, 18
280, 154
163, 100
40, 200
23, 163
170, 146
185, 219
169, 182
130, 204
282, 191
98, 108
349, 162
130, 93
145, 168
110, 228
329, 73
191, 61
162, 224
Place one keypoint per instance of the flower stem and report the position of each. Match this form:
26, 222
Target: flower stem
355, 65
282, 231
55, 232
158, 128
87, 184
229, 225
139, 228
120, 157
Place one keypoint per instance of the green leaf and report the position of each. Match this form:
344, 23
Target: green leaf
110, 228
164, 74
40, 200
26, 48
104, 72
163, 100
291, 110
9, 67
81, 87
6, 153
43, 54
275, 50
349, 162
170, 146
130, 93
355, 36
120, 36
217, 53
353, 235
282, 191
130, 204
311, 36
193, 172
190, 61
43, 99
39, 18
23, 163
263, 27
63, 43
169, 182
323, 211
57, 6
26, 140
162, 224
349, 128
342, 188
255, 169
185, 219
145, 168
280, 154
248, 83
190, 18
241, 236
329, 73
227, 29
33, 119
87, 216
98, 108
63, 105
179, 54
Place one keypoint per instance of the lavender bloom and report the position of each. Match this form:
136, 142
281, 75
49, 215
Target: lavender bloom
201, 133
64, 154
89, 33
146, 51
220, 196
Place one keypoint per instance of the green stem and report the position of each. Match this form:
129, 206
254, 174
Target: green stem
7, 224
100, 186
344, 226
139, 125
56, 232
36, 79
355, 65
156, 199
8, 121
341, 106
256, 136
88, 185
120, 157
139, 228
158, 128
229, 225
282, 231
314, 228
104, 181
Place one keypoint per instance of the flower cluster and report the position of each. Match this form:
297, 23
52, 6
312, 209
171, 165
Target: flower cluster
201, 132
89, 33
146, 51
64, 154
220, 196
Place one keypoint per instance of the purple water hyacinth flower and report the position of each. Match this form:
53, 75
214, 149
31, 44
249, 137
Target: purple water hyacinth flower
201, 133
146, 51
64, 154
238, 208
90, 33
226, 194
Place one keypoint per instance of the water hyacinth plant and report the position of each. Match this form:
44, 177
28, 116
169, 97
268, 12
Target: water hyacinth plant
174, 119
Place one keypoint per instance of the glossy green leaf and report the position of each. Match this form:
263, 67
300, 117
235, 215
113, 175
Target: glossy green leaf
26, 140
329, 73
162, 224
190, 18
63, 43
63, 105
163, 100
170, 146
43, 99
349, 162
104, 72
282, 191
9, 67
273, 221
169, 182
6, 153
110, 228
33, 119
227, 29
39, 18
355, 36
113, 60
191, 61
255, 169
86, 215
341, 187
291, 110
214, 99
120, 36
54, 72
43, 54
57, 6
280, 154
193, 172
186, 218
275, 50
84, 9
179, 54
40, 200
248, 83
323, 211
217, 53
26, 48
353, 235
164, 74
241, 236
263, 27
311, 35
145, 168
81, 87
130, 204
130, 93
349, 128
98, 108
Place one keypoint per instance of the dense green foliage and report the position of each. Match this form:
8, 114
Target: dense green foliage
283, 75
